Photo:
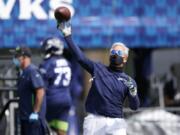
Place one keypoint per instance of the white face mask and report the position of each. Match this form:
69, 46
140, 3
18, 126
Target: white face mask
16, 62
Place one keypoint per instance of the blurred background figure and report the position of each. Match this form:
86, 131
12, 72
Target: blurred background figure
56, 71
171, 94
31, 90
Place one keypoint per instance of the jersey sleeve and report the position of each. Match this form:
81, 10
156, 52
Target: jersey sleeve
43, 71
36, 79
46, 69
79, 56
134, 102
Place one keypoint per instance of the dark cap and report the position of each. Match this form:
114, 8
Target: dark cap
21, 51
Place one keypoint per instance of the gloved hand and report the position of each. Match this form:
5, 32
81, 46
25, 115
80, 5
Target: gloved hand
130, 85
33, 117
65, 28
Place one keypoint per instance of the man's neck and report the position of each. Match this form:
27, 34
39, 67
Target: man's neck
116, 68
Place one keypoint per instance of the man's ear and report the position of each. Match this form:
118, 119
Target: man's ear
125, 59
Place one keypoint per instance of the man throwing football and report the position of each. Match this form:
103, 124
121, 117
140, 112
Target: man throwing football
110, 87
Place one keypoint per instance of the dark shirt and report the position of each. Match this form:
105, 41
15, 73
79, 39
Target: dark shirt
29, 81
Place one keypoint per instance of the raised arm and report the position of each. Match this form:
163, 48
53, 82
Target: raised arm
79, 55
65, 28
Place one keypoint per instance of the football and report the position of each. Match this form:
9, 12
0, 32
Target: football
62, 14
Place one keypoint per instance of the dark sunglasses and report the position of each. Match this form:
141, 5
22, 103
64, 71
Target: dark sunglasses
116, 52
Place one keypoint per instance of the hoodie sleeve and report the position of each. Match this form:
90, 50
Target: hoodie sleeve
79, 55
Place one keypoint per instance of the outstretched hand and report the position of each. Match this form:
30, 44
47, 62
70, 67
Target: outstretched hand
64, 27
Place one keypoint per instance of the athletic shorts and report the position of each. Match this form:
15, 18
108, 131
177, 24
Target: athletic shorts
58, 118
100, 125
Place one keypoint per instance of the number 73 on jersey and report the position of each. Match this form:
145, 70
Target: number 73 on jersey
63, 72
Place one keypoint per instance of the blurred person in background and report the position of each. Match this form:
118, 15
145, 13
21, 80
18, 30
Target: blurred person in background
110, 87
171, 95
56, 71
32, 103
